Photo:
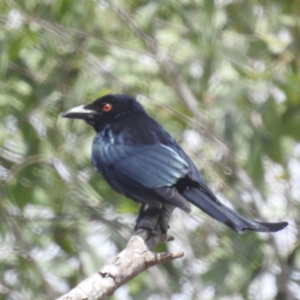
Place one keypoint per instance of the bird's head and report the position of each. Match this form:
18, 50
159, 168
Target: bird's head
104, 110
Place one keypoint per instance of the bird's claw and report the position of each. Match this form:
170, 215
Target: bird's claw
155, 220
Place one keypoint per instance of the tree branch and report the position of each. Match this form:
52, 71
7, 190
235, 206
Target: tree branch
137, 257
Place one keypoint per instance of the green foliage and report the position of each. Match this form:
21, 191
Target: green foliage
222, 76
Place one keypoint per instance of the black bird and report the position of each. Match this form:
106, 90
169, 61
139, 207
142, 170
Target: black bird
141, 160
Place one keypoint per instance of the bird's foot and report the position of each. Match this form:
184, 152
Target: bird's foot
155, 220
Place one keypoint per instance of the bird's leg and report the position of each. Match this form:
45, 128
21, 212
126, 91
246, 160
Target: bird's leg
147, 217
164, 216
155, 220
141, 212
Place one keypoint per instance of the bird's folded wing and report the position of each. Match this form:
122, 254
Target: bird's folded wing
153, 166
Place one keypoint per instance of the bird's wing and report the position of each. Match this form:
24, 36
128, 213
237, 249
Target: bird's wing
153, 166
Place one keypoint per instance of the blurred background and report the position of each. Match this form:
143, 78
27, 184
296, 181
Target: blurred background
223, 77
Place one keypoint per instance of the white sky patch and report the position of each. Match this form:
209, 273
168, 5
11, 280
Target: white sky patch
286, 239
258, 66
11, 124
74, 263
14, 19
212, 240
147, 60
186, 291
199, 266
60, 285
259, 96
295, 275
45, 254
192, 139
5, 251
14, 210
278, 188
284, 36
61, 169
295, 289
122, 293
37, 211
103, 246
294, 170
296, 150
196, 70
263, 287
107, 67
5, 174
246, 197
100, 241
37, 121
278, 95
11, 277
186, 220
208, 292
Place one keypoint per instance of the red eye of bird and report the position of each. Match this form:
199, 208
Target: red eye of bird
107, 107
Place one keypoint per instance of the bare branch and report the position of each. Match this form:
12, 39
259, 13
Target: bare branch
133, 260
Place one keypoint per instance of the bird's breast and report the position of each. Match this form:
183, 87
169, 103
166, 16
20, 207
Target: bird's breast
101, 143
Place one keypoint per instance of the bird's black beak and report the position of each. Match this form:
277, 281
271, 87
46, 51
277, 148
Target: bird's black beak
79, 112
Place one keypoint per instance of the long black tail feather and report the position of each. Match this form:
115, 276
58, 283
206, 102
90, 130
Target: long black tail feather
227, 216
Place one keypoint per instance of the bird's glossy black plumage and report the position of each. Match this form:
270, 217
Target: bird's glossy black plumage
140, 160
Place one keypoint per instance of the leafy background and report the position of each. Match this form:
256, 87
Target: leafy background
222, 76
